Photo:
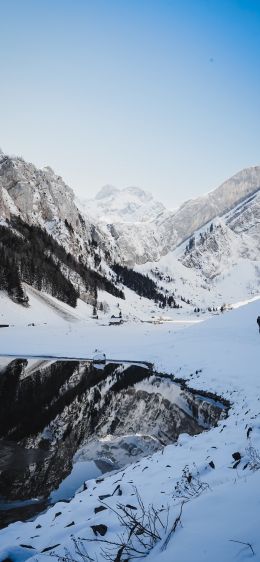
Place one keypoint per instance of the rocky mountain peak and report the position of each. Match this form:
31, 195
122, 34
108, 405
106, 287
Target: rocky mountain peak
106, 191
129, 205
43, 199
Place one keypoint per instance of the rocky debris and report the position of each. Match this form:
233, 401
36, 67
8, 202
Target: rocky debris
99, 509
236, 456
99, 530
48, 548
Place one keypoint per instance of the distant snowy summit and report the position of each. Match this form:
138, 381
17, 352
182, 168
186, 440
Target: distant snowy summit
128, 205
157, 230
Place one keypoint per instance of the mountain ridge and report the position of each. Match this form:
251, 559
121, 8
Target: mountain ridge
41, 199
163, 230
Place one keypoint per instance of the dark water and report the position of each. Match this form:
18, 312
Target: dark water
49, 408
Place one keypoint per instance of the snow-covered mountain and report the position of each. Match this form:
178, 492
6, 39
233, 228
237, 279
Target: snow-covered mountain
236, 235
129, 205
41, 198
130, 227
129, 223
209, 247
47, 243
219, 263
45, 240
142, 229
195, 213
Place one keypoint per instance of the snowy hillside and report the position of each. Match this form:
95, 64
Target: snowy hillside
43, 310
44, 239
202, 492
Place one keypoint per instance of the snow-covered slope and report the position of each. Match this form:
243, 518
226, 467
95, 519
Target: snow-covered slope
43, 310
210, 481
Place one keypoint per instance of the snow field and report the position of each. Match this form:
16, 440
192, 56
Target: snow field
227, 350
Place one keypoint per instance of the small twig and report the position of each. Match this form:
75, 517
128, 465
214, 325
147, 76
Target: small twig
176, 523
245, 544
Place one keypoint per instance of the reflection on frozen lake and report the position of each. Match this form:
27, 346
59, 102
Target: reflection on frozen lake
65, 422
81, 471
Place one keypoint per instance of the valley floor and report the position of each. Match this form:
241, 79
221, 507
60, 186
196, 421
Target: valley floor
217, 495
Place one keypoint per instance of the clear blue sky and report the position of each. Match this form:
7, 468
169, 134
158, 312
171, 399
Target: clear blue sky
164, 94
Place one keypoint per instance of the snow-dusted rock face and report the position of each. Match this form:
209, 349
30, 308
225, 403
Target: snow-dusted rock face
136, 243
233, 237
137, 226
197, 212
42, 198
246, 217
220, 262
219, 250
129, 205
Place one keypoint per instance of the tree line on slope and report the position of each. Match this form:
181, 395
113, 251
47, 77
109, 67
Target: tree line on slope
143, 285
28, 253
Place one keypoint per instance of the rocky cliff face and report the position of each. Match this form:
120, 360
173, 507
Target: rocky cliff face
245, 218
41, 198
232, 238
197, 212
